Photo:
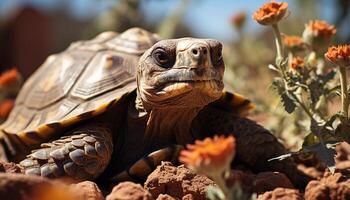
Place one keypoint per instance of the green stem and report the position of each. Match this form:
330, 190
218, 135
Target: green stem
302, 105
279, 60
344, 93
279, 47
220, 181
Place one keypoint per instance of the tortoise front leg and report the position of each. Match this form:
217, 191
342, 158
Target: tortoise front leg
255, 144
83, 153
139, 171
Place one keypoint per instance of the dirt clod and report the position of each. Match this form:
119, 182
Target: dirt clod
330, 187
129, 191
177, 182
281, 194
166, 197
18, 186
86, 190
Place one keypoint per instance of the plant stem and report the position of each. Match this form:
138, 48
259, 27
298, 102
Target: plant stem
279, 62
220, 181
279, 47
302, 105
344, 93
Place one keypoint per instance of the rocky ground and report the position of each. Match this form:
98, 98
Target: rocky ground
168, 182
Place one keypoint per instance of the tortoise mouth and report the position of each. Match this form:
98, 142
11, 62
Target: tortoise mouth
190, 77
185, 86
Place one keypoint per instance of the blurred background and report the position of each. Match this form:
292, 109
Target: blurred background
30, 30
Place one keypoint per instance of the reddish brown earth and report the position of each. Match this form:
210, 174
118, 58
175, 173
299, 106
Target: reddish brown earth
281, 194
168, 182
177, 182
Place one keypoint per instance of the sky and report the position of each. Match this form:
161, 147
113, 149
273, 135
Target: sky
208, 18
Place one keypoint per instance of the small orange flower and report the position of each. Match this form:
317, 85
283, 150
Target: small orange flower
270, 13
318, 34
319, 27
339, 55
211, 156
239, 19
9, 77
297, 63
293, 43
5, 108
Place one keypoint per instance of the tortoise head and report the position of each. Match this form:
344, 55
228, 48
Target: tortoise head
184, 72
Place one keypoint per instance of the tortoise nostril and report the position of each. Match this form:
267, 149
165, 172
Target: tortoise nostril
205, 51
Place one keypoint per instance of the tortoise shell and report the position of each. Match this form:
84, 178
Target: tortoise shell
79, 83
82, 82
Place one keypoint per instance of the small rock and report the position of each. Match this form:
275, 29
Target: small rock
86, 190
281, 194
188, 197
129, 191
268, 181
166, 197
177, 182
330, 187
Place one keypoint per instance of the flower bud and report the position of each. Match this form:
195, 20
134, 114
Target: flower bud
318, 34
238, 20
297, 63
293, 43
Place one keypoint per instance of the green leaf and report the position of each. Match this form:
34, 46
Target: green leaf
277, 83
283, 156
329, 76
236, 192
316, 91
326, 152
288, 103
214, 193
310, 139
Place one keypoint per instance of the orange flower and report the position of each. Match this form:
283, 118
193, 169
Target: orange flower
318, 34
293, 43
239, 19
9, 77
211, 157
5, 108
339, 55
297, 63
270, 13
319, 27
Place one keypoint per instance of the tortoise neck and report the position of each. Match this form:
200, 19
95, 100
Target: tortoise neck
167, 126
170, 126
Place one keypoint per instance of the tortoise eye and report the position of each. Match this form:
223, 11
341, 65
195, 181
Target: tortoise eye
162, 58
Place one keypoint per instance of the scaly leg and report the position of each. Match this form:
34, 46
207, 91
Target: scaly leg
139, 171
255, 144
83, 153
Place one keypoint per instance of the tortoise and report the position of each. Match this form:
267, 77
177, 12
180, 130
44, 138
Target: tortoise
112, 108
